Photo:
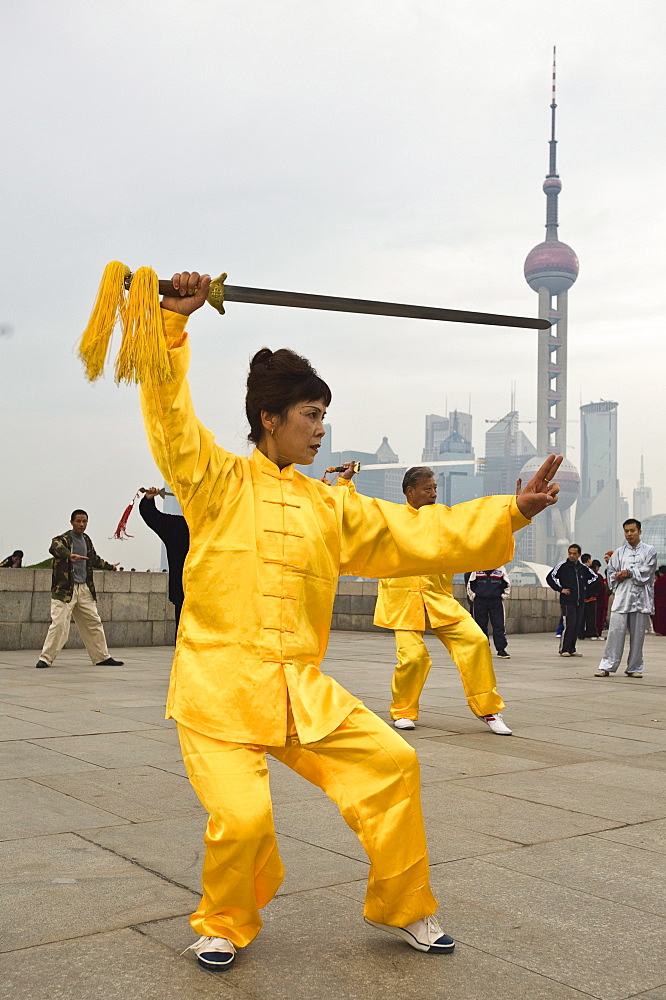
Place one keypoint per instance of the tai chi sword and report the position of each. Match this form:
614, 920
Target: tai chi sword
219, 293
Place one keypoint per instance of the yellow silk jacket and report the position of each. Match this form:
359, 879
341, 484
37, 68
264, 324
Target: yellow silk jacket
266, 548
402, 603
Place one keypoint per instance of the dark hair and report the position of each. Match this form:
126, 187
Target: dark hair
575, 545
662, 570
414, 476
17, 553
632, 520
595, 564
278, 380
79, 511
585, 556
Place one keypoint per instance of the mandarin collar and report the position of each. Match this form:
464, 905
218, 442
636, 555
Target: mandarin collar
270, 468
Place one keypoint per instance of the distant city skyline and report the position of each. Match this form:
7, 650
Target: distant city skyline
383, 152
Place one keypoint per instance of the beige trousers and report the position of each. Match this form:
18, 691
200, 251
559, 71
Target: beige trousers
83, 609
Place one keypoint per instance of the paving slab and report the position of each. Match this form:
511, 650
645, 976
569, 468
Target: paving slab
315, 946
570, 791
656, 761
138, 794
605, 727
518, 746
606, 745
647, 836
19, 729
175, 849
118, 965
84, 723
492, 803
20, 759
490, 754
598, 867
511, 819
557, 932
110, 749
551, 929
27, 809
76, 888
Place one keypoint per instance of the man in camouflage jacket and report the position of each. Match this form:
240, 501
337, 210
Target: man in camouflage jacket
73, 595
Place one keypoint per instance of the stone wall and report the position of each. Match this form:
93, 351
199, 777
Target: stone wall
136, 611
134, 607
528, 609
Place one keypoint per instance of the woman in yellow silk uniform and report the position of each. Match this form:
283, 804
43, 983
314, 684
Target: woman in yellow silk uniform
266, 547
408, 605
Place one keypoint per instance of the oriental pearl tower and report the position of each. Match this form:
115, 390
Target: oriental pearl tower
551, 268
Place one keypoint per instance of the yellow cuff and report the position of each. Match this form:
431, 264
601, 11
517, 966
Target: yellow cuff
518, 520
174, 328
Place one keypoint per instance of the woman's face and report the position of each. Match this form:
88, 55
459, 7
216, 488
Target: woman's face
297, 437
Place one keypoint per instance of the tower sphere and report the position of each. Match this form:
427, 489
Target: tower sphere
552, 185
552, 265
567, 477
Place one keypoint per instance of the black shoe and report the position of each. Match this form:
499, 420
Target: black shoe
503, 653
110, 662
42, 663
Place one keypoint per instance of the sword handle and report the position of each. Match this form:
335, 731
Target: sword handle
215, 295
167, 288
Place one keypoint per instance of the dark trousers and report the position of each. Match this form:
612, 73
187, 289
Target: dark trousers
177, 608
588, 628
493, 608
573, 617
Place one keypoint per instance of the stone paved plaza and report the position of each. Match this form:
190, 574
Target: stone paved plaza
548, 848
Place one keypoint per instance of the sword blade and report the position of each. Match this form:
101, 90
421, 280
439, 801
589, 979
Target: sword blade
334, 303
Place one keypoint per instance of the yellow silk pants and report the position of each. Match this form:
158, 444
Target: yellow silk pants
468, 648
370, 773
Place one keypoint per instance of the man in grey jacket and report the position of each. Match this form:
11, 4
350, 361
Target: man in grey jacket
630, 576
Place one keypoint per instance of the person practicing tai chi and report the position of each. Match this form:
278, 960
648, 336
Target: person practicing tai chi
172, 530
409, 604
630, 574
267, 544
73, 595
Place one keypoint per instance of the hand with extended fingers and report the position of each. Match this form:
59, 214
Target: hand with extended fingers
541, 491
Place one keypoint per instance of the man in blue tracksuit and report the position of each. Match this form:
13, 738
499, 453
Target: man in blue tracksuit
570, 578
487, 588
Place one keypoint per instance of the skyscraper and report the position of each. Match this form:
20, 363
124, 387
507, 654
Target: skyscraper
642, 498
551, 268
599, 513
438, 430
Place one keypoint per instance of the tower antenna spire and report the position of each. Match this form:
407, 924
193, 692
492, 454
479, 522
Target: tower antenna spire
551, 268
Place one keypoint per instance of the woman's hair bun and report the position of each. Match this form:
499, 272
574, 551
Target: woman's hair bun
261, 358
277, 380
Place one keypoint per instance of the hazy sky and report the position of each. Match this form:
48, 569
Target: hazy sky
387, 149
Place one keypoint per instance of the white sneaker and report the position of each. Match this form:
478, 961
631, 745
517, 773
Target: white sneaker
213, 952
424, 935
404, 724
496, 724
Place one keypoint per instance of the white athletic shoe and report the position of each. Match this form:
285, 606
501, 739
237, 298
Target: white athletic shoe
404, 724
496, 724
213, 953
424, 935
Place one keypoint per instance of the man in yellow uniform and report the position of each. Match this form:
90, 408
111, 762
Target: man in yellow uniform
408, 605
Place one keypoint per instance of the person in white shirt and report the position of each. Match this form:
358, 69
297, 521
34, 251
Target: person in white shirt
630, 576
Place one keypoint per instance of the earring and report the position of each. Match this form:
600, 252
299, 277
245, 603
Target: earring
272, 431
